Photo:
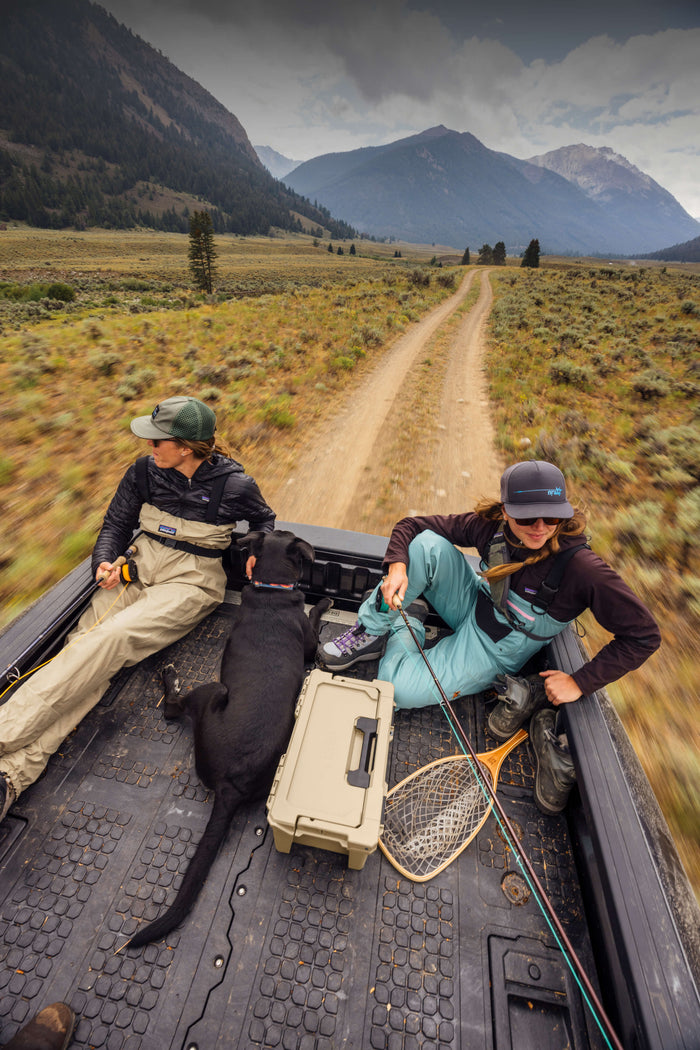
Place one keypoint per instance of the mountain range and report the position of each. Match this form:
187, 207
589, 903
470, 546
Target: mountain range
97, 128
447, 187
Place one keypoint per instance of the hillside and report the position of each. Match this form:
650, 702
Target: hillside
98, 128
689, 251
445, 187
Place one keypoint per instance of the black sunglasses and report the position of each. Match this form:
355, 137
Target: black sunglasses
531, 521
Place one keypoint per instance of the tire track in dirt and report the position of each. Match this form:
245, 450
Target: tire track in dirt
467, 466
328, 478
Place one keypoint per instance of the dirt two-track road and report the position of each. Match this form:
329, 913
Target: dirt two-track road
328, 484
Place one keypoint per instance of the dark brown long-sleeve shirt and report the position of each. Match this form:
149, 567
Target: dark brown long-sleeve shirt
588, 583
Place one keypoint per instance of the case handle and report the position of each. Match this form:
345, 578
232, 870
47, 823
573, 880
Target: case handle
360, 777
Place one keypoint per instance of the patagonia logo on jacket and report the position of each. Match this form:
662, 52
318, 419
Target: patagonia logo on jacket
169, 529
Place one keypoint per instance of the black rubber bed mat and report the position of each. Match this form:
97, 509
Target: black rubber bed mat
281, 950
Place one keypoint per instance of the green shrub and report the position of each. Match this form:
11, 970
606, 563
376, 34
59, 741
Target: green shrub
683, 445
104, 362
651, 384
212, 373
342, 363
642, 529
33, 293
561, 370
277, 413
419, 278
688, 525
127, 390
63, 292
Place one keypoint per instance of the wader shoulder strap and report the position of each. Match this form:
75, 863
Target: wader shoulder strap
498, 555
217, 490
550, 585
142, 484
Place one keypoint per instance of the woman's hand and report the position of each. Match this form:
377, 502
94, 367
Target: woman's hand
249, 566
394, 583
107, 575
560, 687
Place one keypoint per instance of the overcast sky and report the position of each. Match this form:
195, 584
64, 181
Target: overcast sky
319, 76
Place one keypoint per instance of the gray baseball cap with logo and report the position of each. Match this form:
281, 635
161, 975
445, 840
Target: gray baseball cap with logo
186, 418
535, 489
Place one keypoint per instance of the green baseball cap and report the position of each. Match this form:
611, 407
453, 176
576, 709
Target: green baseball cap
186, 418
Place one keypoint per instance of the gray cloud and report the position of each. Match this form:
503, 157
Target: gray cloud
312, 77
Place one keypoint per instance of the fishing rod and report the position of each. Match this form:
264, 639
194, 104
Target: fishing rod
128, 574
598, 1012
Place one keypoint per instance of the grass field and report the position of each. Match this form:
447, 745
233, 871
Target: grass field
597, 367
592, 365
290, 325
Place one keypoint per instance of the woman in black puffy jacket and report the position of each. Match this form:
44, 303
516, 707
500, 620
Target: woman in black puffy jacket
187, 498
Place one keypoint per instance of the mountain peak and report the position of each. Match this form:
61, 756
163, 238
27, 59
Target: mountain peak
594, 168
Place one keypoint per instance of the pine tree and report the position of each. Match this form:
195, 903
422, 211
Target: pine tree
466, 257
485, 255
531, 256
202, 253
499, 254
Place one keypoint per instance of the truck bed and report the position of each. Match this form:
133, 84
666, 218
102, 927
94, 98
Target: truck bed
281, 950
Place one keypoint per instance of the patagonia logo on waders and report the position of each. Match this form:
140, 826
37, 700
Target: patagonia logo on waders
167, 529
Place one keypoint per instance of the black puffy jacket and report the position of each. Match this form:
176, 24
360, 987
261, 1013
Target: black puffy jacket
173, 492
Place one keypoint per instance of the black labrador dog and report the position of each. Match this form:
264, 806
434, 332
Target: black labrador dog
242, 723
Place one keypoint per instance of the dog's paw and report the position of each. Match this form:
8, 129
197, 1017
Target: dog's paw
172, 710
171, 680
324, 605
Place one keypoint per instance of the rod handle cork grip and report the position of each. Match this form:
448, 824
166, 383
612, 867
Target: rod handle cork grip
121, 560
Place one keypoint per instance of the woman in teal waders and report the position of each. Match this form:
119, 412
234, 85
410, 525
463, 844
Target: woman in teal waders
537, 575
187, 497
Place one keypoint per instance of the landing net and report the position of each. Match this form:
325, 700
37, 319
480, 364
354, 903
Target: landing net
432, 816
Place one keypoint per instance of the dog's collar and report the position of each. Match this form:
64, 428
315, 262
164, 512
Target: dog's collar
276, 586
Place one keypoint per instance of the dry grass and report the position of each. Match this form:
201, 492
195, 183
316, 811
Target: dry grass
607, 385
300, 325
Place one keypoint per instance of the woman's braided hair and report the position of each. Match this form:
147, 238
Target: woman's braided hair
204, 449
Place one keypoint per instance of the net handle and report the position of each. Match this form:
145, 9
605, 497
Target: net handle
492, 760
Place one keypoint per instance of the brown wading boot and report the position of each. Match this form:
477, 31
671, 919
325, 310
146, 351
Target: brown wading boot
7, 795
51, 1029
521, 698
556, 774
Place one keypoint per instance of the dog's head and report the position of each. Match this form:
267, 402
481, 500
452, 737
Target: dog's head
279, 555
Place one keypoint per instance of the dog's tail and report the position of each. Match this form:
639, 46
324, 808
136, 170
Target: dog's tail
226, 802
